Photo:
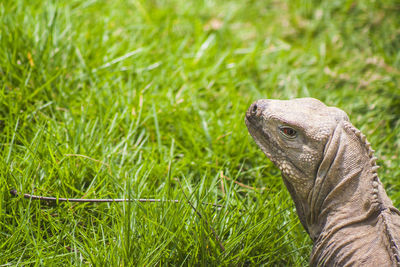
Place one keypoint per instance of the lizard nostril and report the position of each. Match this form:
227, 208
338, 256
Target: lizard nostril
254, 109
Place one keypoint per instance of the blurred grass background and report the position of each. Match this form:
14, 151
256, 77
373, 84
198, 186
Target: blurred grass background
114, 99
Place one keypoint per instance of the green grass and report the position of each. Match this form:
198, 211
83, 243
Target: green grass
113, 99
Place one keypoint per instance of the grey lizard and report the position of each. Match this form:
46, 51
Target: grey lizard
330, 171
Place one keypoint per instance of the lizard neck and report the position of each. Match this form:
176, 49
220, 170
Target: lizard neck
350, 211
346, 189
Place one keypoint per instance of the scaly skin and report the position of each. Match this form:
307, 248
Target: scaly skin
330, 171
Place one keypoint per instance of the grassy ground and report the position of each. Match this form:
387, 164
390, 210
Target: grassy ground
113, 99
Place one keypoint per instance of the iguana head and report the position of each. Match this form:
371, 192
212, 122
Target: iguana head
293, 134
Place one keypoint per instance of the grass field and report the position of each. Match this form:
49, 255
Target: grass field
119, 99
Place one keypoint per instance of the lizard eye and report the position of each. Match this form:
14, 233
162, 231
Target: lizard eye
288, 132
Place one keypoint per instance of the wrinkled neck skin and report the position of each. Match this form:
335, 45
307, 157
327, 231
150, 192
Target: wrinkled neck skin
343, 183
342, 197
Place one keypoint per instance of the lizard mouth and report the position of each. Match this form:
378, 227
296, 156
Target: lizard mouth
255, 122
260, 136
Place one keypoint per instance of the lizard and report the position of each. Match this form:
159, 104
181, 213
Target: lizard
330, 171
